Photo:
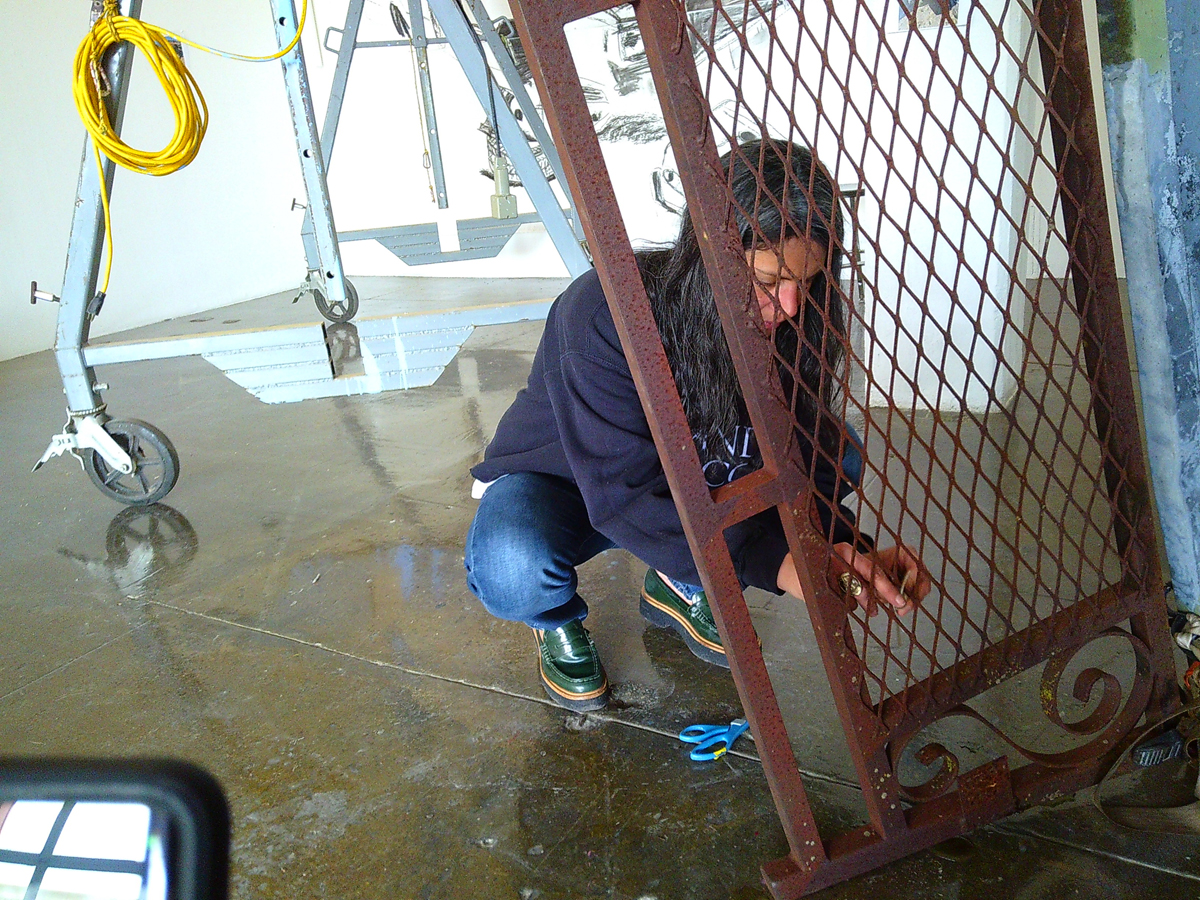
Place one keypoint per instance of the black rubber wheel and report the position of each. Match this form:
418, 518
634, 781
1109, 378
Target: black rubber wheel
337, 312
155, 464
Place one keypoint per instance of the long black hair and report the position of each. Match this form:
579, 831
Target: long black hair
779, 191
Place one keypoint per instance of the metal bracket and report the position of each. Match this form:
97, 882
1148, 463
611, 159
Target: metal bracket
89, 434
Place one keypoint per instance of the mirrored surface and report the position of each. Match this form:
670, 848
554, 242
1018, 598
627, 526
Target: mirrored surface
69, 850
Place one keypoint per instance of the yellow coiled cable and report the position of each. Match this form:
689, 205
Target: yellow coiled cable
90, 88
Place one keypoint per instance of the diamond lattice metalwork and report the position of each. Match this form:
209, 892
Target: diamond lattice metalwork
983, 356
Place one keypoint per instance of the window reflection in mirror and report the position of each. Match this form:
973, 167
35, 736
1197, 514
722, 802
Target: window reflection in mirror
73, 850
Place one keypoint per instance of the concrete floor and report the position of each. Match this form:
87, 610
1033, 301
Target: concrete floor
296, 621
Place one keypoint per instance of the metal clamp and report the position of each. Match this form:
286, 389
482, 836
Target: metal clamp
88, 434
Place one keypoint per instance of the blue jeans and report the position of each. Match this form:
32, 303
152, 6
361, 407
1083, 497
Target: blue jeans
531, 531
528, 535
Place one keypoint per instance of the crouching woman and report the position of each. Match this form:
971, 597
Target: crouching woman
573, 470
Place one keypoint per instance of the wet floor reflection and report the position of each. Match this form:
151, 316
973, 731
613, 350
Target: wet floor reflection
146, 548
433, 569
378, 732
345, 349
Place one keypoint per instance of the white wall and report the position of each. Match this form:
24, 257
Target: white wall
221, 230
214, 233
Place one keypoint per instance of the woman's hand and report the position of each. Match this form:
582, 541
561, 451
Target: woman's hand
788, 580
898, 576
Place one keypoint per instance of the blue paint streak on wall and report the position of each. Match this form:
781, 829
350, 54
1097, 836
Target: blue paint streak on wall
1181, 269
1139, 119
1154, 124
1183, 43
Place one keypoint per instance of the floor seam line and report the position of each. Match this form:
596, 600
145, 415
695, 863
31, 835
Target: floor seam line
70, 663
421, 673
815, 776
317, 645
1108, 854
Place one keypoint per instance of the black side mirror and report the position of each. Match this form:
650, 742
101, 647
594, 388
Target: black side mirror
150, 829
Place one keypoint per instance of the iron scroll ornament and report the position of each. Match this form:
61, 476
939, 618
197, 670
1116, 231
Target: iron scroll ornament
1111, 719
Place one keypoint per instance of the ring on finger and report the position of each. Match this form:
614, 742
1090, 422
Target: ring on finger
850, 585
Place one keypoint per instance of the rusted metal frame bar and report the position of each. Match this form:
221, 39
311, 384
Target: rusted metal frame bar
1085, 215
747, 496
846, 670
984, 795
542, 24
664, 31
1074, 133
1034, 784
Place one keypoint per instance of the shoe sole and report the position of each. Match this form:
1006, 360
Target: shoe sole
665, 617
589, 702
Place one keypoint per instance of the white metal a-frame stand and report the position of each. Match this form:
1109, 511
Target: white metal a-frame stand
134, 462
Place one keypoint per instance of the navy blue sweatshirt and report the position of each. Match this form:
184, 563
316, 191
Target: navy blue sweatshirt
579, 418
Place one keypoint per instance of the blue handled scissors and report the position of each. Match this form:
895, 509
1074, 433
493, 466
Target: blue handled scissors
712, 741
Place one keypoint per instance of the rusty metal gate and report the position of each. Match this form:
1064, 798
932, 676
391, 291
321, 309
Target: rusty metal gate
987, 363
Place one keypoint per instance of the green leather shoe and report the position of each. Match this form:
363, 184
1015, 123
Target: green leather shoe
664, 606
570, 667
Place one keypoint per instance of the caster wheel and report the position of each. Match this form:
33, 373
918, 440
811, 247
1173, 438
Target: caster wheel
155, 464
337, 312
